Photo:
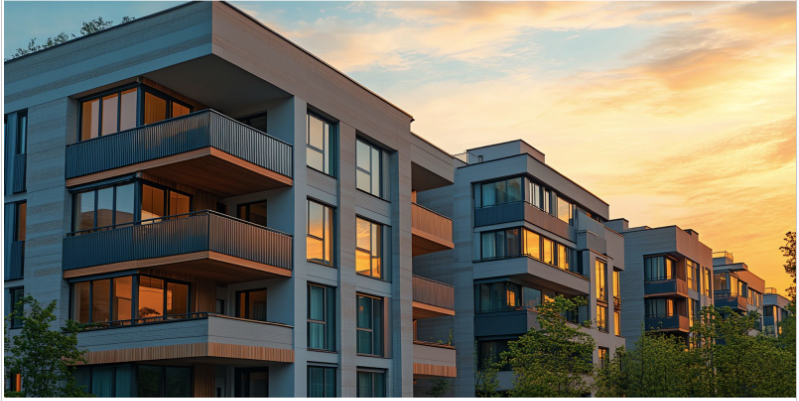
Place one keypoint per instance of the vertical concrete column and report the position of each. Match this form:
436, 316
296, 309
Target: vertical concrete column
345, 225
401, 272
49, 203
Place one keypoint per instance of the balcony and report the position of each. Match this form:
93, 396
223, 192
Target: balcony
432, 298
205, 150
16, 268
724, 298
433, 360
431, 231
662, 288
203, 244
215, 338
511, 322
20, 162
668, 323
523, 211
527, 268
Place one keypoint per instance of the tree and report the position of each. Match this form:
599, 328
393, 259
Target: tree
87, 28
44, 358
789, 251
440, 387
555, 360
611, 378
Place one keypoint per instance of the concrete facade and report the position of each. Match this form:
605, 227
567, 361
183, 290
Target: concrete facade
215, 56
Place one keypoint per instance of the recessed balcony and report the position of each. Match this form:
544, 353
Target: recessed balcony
203, 244
431, 231
433, 360
673, 322
208, 337
523, 211
662, 288
205, 150
432, 298
735, 301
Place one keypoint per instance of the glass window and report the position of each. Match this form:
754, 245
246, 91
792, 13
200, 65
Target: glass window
258, 122
602, 318
164, 381
658, 268
368, 252
177, 299
490, 353
532, 245
617, 322
600, 269
101, 300
155, 108
604, 356
254, 213
83, 215
179, 110
127, 109
124, 210
321, 317
151, 297
565, 210
80, 302
105, 207
110, 109
368, 168
564, 257
251, 305
21, 222
122, 298
658, 307
22, 134
369, 325
531, 298
319, 143
616, 285
548, 251
16, 295
321, 382
109, 114
503, 191
178, 203
320, 233
90, 119
153, 202
371, 384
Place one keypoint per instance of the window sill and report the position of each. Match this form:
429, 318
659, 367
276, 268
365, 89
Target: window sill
373, 278
371, 356
321, 264
324, 351
373, 195
322, 172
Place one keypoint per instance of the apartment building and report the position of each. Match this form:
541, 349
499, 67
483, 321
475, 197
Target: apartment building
774, 311
523, 234
226, 214
667, 280
736, 286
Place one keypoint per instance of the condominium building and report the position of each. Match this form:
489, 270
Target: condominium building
523, 234
225, 213
736, 286
774, 311
667, 280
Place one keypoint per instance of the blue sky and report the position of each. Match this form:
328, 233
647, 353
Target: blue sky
672, 112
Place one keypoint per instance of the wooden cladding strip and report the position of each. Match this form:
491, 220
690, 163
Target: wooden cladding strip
431, 223
196, 350
548, 222
434, 293
424, 369
204, 380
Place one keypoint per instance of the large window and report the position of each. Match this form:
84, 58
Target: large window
517, 242
503, 296
257, 121
107, 381
604, 356
565, 210
371, 384
164, 381
692, 271
319, 141
321, 382
369, 168
20, 221
617, 288
111, 300
22, 134
370, 325
503, 191
159, 107
321, 317
617, 322
489, 353
320, 233
159, 202
15, 295
601, 271
251, 304
659, 307
368, 248
602, 318
706, 283
253, 212
659, 268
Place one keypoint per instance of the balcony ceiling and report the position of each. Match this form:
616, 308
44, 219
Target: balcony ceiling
219, 85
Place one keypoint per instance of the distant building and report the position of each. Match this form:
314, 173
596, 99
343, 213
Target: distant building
774, 311
736, 286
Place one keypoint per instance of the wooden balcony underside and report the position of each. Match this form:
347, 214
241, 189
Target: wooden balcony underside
205, 264
197, 350
426, 311
208, 169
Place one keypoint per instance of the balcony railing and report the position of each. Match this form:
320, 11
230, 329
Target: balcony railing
430, 222
157, 320
667, 322
522, 211
175, 235
16, 268
671, 286
771, 290
722, 298
20, 162
198, 130
434, 293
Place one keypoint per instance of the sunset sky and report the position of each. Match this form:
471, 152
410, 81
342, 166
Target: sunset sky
674, 113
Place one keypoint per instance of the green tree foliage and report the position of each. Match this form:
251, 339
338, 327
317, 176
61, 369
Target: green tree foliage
555, 360
439, 387
87, 28
789, 251
722, 359
44, 358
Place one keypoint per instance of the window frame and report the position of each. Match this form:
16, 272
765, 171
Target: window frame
521, 244
15, 293
331, 212
247, 210
21, 136
382, 318
325, 369
248, 119
17, 221
666, 259
247, 311
371, 372
329, 320
380, 173
602, 318
603, 355
601, 272
380, 257
329, 159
